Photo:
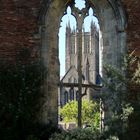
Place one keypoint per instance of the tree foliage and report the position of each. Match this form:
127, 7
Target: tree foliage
19, 96
117, 97
90, 112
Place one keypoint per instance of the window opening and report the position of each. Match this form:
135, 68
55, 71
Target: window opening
67, 26
66, 97
69, 33
71, 91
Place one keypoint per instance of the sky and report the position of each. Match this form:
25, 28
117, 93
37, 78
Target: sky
69, 18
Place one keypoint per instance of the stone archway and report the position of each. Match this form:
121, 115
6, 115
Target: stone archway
112, 23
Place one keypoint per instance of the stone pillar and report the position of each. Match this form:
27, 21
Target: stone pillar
49, 56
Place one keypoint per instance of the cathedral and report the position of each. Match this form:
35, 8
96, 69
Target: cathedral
90, 63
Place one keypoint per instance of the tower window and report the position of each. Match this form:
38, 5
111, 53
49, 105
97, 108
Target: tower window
71, 94
73, 45
77, 95
65, 97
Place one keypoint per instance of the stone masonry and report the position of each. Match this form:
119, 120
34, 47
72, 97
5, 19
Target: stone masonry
33, 26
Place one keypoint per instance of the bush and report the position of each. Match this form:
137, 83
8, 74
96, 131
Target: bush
77, 134
19, 95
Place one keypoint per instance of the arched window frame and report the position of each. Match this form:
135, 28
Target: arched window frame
71, 92
66, 99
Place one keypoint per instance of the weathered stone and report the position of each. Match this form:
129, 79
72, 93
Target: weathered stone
21, 21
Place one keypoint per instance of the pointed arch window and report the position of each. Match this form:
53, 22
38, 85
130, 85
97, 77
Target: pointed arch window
65, 97
77, 95
71, 91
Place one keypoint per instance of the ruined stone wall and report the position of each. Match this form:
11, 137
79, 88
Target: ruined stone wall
18, 28
20, 37
132, 8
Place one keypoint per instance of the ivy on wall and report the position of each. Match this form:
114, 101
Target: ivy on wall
19, 98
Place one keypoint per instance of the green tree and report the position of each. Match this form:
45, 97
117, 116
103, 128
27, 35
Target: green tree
19, 96
90, 112
118, 94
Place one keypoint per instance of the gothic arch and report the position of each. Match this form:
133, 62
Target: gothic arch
112, 23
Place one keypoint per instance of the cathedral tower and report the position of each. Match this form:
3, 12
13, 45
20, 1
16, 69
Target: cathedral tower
90, 51
90, 62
